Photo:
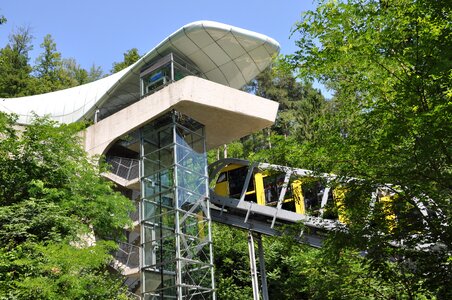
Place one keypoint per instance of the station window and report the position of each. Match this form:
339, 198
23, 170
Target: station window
163, 71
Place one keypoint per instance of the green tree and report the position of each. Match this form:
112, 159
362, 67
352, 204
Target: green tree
74, 71
95, 73
232, 271
15, 78
390, 64
49, 61
297, 271
53, 203
294, 270
130, 57
55, 73
300, 106
299, 103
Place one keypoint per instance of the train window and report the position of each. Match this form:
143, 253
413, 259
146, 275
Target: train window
330, 210
312, 194
250, 186
289, 205
236, 180
272, 187
223, 177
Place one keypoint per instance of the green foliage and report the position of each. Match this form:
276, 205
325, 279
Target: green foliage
15, 70
55, 73
285, 151
49, 61
53, 202
299, 103
94, 73
300, 107
50, 73
296, 271
390, 122
58, 271
74, 71
130, 57
231, 263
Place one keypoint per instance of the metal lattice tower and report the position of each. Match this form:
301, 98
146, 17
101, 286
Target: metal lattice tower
176, 236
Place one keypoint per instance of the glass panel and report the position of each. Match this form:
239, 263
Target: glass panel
189, 223
190, 140
330, 210
165, 136
191, 181
159, 248
157, 75
156, 280
189, 123
156, 79
159, 159
198, 144
154, 209
149, 254
186, 197
312, 194
150, 209
236, 181
175, 176
161, 182
157, 125
273, 186
195, 274
182, 69
150, 146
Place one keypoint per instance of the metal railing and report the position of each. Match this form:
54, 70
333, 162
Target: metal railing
135, 215
133, 296
128, 255
127, 168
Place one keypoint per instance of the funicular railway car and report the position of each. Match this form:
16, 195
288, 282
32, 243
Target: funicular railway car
296, 190
268, 185
264, 198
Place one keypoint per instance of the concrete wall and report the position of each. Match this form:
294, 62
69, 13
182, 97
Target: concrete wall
227, 113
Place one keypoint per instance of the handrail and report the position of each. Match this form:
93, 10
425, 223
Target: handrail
127, 168
128, 255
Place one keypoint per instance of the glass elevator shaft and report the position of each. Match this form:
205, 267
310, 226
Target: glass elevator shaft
176, 236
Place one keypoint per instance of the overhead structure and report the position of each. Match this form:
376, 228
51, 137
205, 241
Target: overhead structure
218, 52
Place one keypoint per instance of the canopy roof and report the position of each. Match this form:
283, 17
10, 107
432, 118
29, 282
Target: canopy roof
224, 54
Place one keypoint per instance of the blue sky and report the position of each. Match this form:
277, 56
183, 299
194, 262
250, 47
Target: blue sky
99, 31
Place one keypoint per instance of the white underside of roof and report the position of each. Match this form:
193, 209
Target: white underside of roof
224, 54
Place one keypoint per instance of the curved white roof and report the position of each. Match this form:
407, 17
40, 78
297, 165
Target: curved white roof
224, 54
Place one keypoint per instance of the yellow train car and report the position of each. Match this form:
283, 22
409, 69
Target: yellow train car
303, 192
273, 187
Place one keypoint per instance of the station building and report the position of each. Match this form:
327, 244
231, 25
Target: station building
154, 122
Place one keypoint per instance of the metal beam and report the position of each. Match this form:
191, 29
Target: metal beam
253, 269
262, 267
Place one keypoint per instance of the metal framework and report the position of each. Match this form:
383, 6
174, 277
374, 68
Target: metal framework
248, 215
177, 261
